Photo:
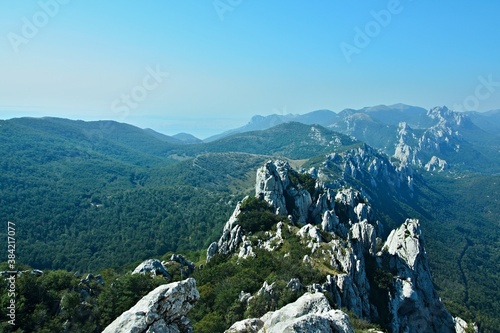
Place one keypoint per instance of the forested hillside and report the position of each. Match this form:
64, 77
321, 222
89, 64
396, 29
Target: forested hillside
87, 196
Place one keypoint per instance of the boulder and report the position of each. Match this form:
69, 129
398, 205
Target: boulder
163, 310
310, 313
153, 267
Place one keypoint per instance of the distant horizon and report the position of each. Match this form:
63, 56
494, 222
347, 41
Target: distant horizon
222, 130
180, 65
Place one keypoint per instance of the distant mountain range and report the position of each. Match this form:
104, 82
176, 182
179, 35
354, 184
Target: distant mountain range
434, 139
414, 116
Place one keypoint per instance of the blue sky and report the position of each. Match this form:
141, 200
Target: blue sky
207, 66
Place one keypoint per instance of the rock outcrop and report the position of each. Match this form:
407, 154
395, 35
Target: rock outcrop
414, 303
153, 267
163, 310
340, 231
428, 148
310, 313
232, 236
273, 184
369, 166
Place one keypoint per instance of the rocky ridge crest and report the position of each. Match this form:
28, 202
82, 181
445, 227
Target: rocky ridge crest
385, 282
427, 149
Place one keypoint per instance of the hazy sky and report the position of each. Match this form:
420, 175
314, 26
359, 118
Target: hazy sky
207, 66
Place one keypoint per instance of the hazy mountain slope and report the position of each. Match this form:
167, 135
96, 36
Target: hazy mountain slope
488, 121
394, 114
293, 140
116, 140
186, 138
163, 137
434, 139
259, 123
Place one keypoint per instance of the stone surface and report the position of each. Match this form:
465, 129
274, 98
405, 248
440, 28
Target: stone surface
269, 185
153, 267
163, 310
414, 304
310, 313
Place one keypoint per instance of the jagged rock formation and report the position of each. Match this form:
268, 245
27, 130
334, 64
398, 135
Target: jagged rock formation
153, 267
163, 310
339, 228
428, 148
310, 313
273, 184
436, 164
461, 326
231, 238
371, 167
414, 303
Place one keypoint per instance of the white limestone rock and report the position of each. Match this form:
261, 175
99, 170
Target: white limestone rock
163, 310
310, 232
405, 242
269, 185
153, 267
414, 305
310, 313
232, 236
461, 326
272, 182
252, 325
246, 250
350, 288
436, 164
366, 234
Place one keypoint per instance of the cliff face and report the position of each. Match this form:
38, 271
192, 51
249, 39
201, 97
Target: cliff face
386, 282
414, 303
429, 148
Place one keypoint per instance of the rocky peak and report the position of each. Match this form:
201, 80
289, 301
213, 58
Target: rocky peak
371, 167
406, 243
339, 230
153, 267
271, 181
414, 303
442, 138
447, 117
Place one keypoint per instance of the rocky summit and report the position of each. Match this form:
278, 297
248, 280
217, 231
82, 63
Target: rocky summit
381, 281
